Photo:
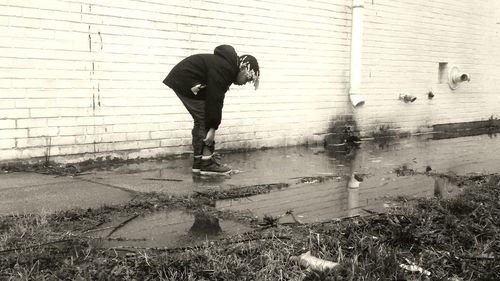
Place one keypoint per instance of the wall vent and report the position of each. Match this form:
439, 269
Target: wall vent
443, 73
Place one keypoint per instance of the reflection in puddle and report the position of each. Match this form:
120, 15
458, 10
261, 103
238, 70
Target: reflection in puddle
205, 225
171, 229
309, 202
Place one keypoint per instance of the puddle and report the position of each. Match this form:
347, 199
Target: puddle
170, 229
407, 167
317, 184
281, 165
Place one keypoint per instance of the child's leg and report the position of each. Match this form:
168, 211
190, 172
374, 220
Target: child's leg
197, 110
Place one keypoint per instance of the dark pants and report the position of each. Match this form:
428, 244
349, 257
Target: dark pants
197, 110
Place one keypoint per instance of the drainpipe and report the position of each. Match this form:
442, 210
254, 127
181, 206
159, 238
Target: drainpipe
356, 43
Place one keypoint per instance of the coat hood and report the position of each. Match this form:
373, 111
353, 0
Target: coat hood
228, 53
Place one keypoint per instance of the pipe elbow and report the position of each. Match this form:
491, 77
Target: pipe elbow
356, 100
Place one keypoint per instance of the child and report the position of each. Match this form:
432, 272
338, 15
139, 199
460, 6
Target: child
201, 82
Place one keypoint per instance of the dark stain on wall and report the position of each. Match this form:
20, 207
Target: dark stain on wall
343, 129
490, 127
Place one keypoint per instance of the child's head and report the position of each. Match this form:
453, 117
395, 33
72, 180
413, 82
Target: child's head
249, 71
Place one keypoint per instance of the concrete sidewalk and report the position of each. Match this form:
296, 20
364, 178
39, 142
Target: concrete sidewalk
22, 192
34, 193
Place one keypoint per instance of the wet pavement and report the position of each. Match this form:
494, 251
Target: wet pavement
38, 193
251, 168
317, 184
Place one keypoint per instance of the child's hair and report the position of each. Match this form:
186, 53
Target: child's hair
251, 64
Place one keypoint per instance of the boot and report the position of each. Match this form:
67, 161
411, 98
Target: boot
212, 166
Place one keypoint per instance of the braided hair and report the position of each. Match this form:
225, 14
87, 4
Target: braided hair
250, 63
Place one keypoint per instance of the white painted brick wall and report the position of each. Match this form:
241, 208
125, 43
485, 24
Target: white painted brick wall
404, 41
85, 77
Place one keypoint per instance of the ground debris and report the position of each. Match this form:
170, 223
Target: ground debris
309, 261
412, 267
404, 171
316, 179
241, 192
47, 168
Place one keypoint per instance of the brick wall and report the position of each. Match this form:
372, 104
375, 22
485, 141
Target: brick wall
404, 42
83, 78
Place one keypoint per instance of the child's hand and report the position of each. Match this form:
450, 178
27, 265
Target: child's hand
209, 139
197, 88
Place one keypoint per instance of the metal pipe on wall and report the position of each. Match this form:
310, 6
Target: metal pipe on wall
356, 48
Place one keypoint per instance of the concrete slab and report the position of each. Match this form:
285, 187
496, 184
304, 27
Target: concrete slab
148, 177
34, 193
21, 179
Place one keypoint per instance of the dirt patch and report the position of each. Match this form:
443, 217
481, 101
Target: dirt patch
45, 166
239, 192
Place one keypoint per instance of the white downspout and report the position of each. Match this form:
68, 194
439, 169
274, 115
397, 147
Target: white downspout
356, 43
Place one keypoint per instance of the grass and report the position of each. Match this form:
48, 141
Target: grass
453, 239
